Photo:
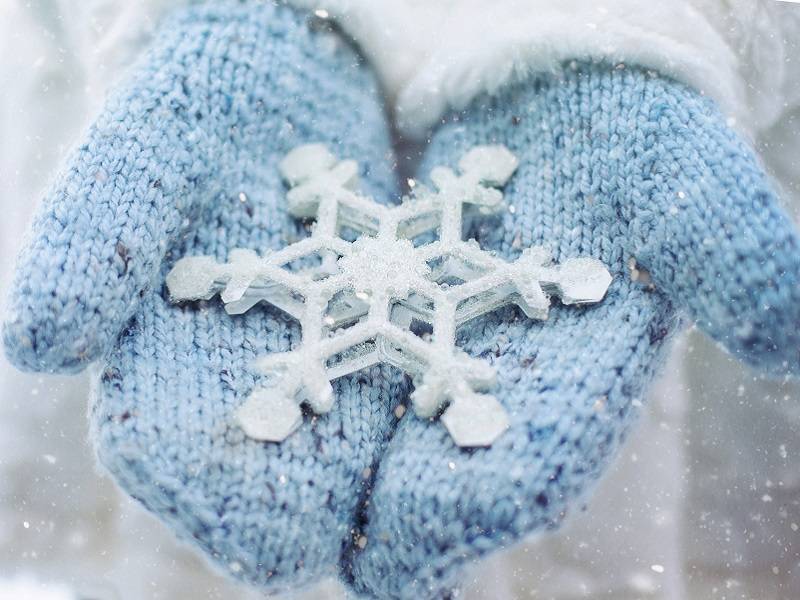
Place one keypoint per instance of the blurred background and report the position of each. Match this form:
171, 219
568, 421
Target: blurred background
703, 503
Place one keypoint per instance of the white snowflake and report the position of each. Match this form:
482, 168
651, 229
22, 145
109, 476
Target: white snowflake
395, 295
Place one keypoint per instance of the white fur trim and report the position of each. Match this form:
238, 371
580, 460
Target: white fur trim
434, 55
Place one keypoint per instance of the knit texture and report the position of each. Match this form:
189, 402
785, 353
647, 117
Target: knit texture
635, 170
615, 163
184, 161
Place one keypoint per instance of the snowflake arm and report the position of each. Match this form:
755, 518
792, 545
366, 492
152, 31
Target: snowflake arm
357, 305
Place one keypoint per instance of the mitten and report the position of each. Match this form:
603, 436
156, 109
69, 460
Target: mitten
184, 161
644, 174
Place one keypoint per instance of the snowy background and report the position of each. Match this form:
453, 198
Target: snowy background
703, 503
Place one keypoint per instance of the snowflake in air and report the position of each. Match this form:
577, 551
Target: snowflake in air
395, 295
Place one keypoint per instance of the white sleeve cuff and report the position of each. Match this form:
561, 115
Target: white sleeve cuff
436, 55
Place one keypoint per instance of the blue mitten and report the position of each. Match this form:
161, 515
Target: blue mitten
184, 161
644, 174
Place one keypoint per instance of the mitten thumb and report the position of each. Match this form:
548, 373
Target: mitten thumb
128, 191
718, 241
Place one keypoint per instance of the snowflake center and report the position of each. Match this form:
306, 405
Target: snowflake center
441, 284
381, 266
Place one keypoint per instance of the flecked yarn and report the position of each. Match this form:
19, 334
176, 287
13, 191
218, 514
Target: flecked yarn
619, 164
184, 161
644, 174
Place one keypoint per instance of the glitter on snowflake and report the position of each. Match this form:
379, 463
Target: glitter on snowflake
395, 295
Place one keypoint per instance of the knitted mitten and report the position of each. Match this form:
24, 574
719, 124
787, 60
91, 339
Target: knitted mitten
644, 174
184, 161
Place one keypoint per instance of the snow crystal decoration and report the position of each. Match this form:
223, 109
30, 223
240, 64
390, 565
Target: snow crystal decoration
395, 295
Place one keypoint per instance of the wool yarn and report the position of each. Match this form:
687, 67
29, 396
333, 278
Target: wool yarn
617, 163
644, 174
184, 160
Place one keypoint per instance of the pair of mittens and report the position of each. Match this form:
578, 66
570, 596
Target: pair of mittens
635, 170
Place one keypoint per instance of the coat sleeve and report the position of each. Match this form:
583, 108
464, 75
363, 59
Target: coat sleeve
436, 55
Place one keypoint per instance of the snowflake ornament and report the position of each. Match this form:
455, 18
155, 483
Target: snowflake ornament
395, 295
